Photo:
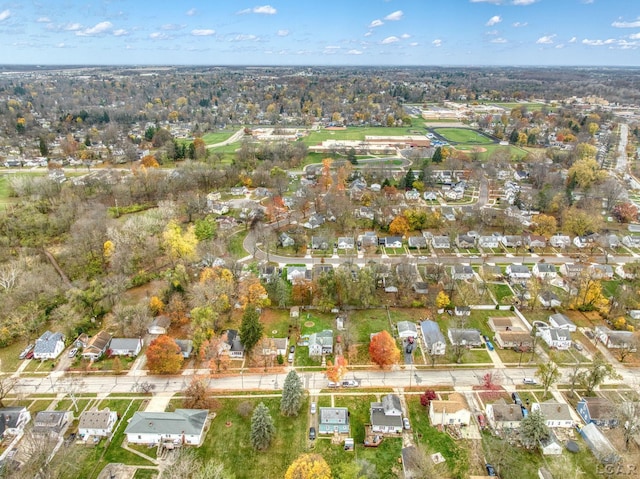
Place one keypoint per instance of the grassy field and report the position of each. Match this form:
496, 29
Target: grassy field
217, 137
463, 135
4, 192
355, 133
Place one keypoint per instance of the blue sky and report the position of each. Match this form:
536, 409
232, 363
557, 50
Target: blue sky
327, 32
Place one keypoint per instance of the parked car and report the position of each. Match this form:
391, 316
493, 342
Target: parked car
486, 338
313, 408
29, 355
578, 346
490, 470
350, 383
73, 352
290, 358
405, 423
516, 398
529, 381
490, 346
312, 433
481, 422
331, 384
292, 349
25, 351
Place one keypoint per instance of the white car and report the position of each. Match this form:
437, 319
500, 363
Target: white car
405, 423
73, 352
350, 384
313, 408
529, 381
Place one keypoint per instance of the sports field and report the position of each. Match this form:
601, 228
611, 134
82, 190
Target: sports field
465, 136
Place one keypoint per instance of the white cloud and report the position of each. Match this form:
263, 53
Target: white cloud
60, 45
191, 12
524, 2
560, 45
368, 34
546, 40
492, 32
121, 32
494, 20
159, 36
43, 20
203, 32
498, 40
72, 27
405, 36
395, 16
573, 40
245, 38
283, 33
376, 23
520, 24
635, 36
391, 39
620, 24
437, 42
495, 2
98, 29
587, 2
598, 43
354, 52
4, 15
265, 10
414, 44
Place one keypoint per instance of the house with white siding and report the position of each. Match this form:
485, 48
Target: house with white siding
180, 427
97, 423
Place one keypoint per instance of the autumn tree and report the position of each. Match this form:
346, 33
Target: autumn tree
428, 396
180, 245
383, 350
214, 351
625, 212
262, 428
596, 373
336, 370
629, 418
580, 222
399, 226
442, 300
164, 356
309, 466
588, 294
545, 225
291, 395
251, 329
548, 373
149, 161
253, 294
584, 173
197, 394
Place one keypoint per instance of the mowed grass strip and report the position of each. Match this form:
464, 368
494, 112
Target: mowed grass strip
463, 135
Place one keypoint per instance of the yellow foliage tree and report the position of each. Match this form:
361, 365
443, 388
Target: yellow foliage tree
442, 300
252, 293
545, 225
399, 226
585, 172
309, 466
156, 305
336, 371
108, 248
179, 244
149, 161
589, 295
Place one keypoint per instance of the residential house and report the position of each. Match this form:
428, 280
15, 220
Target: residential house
631, 241
504, 416
560, 241
52, 422
420, 287
315, 221
601, 271
599, 445
544, 271
81, 341
462, 311
417, 242
97, 346
433, 338
534, 241
513, 339
550, 446
239, 190
465, 241
511, 241
549, 299
412, 195
48, 346
585, 240
386, 416
430, 196
627, 271
97, 423
518, 272
441, 242
276, 347
393, 242
557, 338
461, 272
321, 343
448, 213
346, 242
160, 325
465, 337
182, 426
369, 238
319, 242
491, 241
186, 347
616, 339
365, 212
233, 346
572, 270
556, 414
333, 420
296, 273
609, 240
597, 410
285, 240
407, 329
453, 412
125, 347
561, 321
13, 420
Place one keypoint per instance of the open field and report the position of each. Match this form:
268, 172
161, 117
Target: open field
355, 133
217, 137
463, 135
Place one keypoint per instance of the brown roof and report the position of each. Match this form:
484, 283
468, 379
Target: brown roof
501, 322
99, 341
599, 408
506, 412
448, 406
514, 336
95, 419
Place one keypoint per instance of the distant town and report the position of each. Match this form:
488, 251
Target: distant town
373, 272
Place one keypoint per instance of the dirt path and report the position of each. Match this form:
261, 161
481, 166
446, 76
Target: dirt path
56, 266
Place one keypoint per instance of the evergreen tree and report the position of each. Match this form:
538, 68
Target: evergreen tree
533, 429
44, 149
351, 156
250, 329
409, 179
262, 428
513, 138
291, 395
437, 155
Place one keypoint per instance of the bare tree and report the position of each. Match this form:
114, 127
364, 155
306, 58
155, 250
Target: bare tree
6, 385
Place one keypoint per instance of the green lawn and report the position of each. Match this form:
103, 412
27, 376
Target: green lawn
355, 133
217, 137
9, 360
463, 135
235, 245
369, 321
500, 291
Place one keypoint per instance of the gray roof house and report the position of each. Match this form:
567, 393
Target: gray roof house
407, 329
182, 426
441, 242
433, 338
599, 445
555, 414
125, 346
97, 423
465, 337
417, 241
186, 347
559, 320
504, 416
160, 325
48, 346
321, 343
13, 420
234, 346
333, 419
549, 299
386, 416
461, 272
52, 422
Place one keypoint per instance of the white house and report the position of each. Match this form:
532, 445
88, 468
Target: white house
544, 270
48, 346
125, 347
557, 338
407, 329
386, 416
97, 423
159, 325
97, 346
556, 414
321, 343
461, 272
559, 320
572, 270
465, 337
434, 341
549, 299
451, 412
631, 241
182, 426
560, 241
491, 241
13, 420
518, 272
441, 242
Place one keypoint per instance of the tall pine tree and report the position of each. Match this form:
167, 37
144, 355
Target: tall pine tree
262, 428
291, 395
250, 329
437, 155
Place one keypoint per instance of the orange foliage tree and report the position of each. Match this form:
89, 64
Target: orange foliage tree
252, 293
383, 350
149, 161
336, 371
164, 356
399, 226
